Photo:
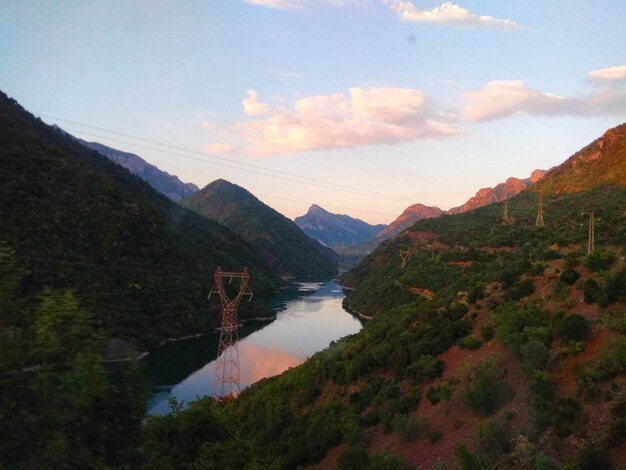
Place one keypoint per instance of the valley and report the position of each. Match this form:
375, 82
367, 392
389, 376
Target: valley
491, 340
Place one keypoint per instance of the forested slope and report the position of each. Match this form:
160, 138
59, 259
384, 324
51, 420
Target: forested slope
77, 221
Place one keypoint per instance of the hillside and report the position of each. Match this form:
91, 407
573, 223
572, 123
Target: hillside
280, 243
492, 346
77, 221
168, 185
601, 162
335, 230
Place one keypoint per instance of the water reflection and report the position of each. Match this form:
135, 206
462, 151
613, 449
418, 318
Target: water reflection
309, 317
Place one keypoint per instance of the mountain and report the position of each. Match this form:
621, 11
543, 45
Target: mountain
163, 182
408, 217
499, 193
77, 221
335, 230
278, 240
601, 162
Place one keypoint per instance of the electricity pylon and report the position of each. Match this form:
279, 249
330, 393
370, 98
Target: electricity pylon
404, 255
539, 222
227, 365
591, 240
505, 215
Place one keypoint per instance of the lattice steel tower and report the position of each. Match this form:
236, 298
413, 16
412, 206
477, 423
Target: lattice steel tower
591, 240
227, 365
539, 222
505, 214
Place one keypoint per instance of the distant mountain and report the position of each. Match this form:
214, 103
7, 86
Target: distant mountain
163, 182
336, 230
410, 215
499, 193
281, 243
601, 162
76, 221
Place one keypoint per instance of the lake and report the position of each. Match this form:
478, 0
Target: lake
309, 316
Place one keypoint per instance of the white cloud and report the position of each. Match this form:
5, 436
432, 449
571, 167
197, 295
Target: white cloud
279, 4
499, 99
447, 13
608, 74
365, 116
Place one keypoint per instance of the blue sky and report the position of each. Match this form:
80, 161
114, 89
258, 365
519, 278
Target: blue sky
361, 106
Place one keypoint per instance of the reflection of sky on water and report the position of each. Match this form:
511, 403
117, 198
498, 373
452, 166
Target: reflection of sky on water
303, 326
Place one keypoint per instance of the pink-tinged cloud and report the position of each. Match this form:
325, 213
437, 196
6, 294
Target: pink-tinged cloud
365, 116
221, 149
608, 74
251, 106
500, 99
447, 13
207, 125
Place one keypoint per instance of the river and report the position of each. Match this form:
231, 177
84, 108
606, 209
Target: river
308, 317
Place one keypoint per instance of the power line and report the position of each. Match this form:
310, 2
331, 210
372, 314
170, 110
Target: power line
306, 179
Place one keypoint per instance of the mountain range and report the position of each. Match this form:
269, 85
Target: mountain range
168, 185
335, 230
278, 240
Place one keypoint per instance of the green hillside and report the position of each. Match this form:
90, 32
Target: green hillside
78, 222
601, 162
281, 244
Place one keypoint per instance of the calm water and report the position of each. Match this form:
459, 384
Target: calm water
309, 317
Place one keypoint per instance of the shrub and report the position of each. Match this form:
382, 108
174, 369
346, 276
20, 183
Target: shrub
591, 291
487, 332
489, 390
600, 260
353, 458
520, 290
573, 328
569, 276
433, 395
385, 460
469, 342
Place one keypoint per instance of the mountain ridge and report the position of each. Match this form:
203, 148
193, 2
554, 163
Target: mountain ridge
335, 230
282, 244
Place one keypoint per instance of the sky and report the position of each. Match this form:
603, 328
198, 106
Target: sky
363, 107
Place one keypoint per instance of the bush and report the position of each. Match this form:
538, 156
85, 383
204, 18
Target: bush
433, 395
489, 390
520, 290
591, 291
469, 342
573, 328
385, 460
353, 458
569, 276
487, 332
600, 260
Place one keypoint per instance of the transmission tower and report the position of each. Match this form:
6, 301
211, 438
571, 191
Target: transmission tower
539, 222
227, 365
404, 255
505, 215
591, 241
